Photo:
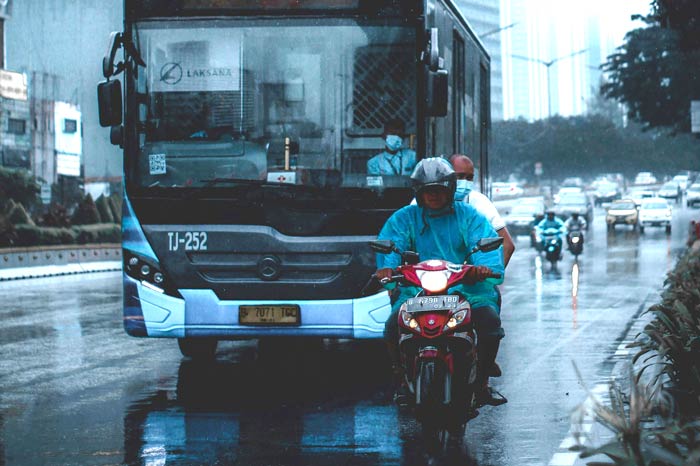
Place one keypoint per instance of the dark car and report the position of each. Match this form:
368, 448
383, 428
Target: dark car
523, 218
579, 203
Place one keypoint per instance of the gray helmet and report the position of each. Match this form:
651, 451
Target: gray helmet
433, 171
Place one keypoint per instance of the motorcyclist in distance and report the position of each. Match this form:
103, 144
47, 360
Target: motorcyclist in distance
551, 221
438, 227
575, 223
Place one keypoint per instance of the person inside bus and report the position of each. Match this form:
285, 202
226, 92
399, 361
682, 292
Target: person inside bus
464, 168
394, 159
437, 227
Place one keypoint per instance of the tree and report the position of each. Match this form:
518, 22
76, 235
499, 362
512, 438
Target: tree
655, 72
20, 186
587, 146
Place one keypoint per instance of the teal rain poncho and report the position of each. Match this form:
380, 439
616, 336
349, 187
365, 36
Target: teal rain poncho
448, 234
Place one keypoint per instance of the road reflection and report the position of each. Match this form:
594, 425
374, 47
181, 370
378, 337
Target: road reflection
300, 407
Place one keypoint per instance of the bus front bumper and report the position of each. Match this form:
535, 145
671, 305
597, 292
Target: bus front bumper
200, 313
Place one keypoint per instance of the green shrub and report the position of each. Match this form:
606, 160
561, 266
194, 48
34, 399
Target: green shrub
102, 204
32, 235
20, 186
56, 216
86, 213
18, 215
8, 234
98, 233
115, 204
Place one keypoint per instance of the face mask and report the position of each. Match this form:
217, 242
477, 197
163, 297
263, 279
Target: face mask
464, 187
393, 142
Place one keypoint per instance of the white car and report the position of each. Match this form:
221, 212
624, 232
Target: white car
692, 195
639, 194
682, 181
655, 212
502, 190
645, 178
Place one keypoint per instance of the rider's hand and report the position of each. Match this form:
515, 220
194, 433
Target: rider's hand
384, 273
479, 273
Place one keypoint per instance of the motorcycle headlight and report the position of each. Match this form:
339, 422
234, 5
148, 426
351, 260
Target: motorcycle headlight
575, 239
408, 320
456, 319
433, 281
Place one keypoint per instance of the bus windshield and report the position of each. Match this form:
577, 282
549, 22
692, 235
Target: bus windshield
294, 102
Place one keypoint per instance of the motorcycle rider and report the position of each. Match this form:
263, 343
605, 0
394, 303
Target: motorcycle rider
574, 223
438, 227
551, 221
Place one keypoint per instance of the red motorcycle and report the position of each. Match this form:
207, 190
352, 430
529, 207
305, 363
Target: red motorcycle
437, 340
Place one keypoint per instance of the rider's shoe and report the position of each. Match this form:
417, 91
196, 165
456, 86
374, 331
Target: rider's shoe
489, 396
402, 395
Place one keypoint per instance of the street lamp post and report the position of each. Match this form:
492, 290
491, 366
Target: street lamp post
548, 65
494, 31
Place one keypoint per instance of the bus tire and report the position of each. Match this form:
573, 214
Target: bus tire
198, 348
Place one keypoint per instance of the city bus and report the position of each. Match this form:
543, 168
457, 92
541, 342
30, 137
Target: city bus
246, 127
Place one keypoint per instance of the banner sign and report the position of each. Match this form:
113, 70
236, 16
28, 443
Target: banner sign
193, 60
13, 85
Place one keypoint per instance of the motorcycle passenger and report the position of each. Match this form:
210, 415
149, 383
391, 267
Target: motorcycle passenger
438, 227
551, 221
464, 169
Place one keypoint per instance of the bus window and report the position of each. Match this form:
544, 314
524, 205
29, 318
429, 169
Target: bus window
233, 91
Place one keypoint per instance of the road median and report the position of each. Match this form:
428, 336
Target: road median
43, 261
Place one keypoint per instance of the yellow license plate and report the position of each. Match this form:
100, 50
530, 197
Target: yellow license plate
283, 314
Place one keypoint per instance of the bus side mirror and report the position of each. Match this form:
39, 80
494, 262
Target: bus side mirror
109, 101
436, 92
435, 78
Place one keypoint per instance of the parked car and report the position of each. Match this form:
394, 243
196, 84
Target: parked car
643, 178
655, 212
523, 218
671, 190
606, 191
692, 195
622, 212
577, 202
502, 190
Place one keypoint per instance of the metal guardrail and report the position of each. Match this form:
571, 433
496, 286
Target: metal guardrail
42, 261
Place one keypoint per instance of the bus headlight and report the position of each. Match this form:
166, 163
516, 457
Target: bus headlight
148, 273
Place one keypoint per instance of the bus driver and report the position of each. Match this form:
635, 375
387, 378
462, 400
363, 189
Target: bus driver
393, 160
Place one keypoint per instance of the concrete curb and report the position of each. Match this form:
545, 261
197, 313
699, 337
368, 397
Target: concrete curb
586, 429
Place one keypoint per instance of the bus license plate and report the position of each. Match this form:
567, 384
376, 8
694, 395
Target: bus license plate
432, 303
283, 314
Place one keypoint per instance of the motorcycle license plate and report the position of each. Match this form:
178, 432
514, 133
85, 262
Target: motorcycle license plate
283, 314
432, 303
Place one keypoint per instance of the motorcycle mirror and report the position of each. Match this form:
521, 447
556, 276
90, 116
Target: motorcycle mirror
382, 246
489, 244
410, 257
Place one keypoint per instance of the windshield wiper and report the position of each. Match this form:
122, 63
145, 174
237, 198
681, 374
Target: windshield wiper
209, 182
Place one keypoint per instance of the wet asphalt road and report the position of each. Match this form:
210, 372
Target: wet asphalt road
76, 390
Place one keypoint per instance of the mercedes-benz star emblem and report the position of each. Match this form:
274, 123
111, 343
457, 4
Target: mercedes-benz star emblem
269, 268
171, 73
